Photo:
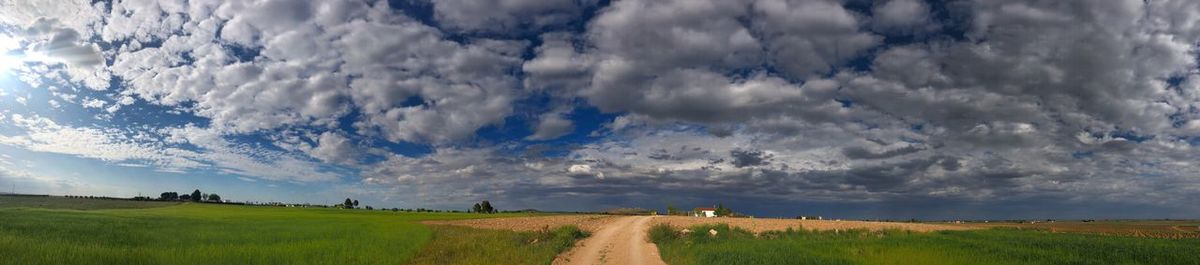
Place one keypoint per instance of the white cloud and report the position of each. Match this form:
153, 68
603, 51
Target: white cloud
79, 15
45, 135
902, 16
335, 148
248, 160
53, 44
318, 61
93, 103
552, 126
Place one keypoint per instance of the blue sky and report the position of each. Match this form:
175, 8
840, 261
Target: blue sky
855, 109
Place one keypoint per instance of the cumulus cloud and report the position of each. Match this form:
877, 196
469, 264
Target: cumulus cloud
902, 17
314, 63
335, 148
551, 126
61, 45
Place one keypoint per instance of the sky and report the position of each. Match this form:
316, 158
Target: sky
967, 109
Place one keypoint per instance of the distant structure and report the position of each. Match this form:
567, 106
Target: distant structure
705, 212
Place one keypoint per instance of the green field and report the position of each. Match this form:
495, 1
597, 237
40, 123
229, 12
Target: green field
53, 202
189, 233
460, 245
991, 246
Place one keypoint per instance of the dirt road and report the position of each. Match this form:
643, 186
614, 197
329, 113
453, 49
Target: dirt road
622, 241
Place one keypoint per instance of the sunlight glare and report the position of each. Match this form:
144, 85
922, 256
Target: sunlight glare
8, 61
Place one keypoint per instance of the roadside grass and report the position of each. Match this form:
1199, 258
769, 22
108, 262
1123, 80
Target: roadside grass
992, 246
463, 245
214, 234
1175, 229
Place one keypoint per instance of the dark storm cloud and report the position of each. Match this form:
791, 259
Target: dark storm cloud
858, 152
748, 158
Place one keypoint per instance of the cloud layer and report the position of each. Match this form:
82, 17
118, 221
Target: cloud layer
892, 106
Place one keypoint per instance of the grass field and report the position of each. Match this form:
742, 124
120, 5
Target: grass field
463, 245
1155, 229
990, 246
55, 202
158, 233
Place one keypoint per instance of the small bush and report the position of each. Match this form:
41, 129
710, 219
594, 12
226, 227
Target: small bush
700, 233
662, 233
560, 238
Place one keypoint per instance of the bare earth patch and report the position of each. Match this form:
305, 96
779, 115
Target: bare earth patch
758, 225
590, 223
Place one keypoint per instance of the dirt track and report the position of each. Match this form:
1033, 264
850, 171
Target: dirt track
622, 241
614, 239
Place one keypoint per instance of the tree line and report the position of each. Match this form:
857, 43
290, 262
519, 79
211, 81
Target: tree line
196, 196
483, 207
720, 210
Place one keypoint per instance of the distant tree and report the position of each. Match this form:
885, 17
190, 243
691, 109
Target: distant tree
370, 208
214, 197
185, 197
477, 208
486, 207
355, 203
671, 210
722, 211
348, 204
196, 195
169, 196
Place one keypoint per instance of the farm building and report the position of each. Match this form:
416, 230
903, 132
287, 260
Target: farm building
705, 212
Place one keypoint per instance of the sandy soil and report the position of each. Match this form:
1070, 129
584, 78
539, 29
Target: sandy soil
590, 223
758, 225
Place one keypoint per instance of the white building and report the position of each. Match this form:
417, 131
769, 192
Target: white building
705, 212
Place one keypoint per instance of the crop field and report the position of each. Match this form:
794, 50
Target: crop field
984, 246
189, 233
